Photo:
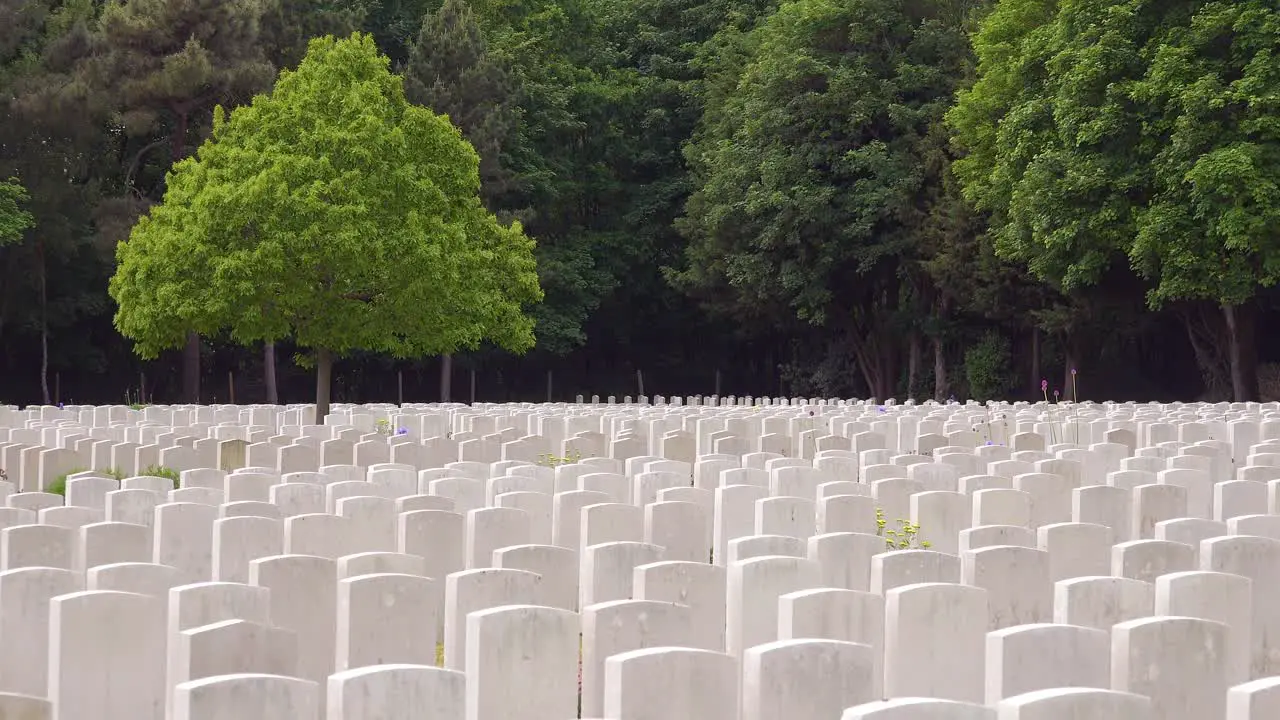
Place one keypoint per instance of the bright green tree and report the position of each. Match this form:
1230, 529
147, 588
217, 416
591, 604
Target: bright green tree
335, 212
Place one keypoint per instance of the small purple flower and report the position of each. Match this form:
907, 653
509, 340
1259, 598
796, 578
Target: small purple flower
1073, 371
1044, 385
59, 406
1055, 394
402, 431
880, 408
990, 443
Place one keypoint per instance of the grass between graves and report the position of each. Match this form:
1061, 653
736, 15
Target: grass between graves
59, 484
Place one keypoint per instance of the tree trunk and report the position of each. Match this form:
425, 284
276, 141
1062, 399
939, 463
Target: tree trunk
1242, 352
269, 372
191, 353
885, 391
44, 356
941, 386
44, 325
886, 371
915, 355
1071, 355
1035, 362
446, 378
191, 369
324, 381
867, 360
1207, 343
941, 383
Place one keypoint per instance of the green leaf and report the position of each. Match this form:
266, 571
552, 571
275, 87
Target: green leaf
14, 219
333, 211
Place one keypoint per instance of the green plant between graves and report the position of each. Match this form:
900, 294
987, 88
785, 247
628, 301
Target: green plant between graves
550, 460
59, 484
162, 472
135, 400
906, 537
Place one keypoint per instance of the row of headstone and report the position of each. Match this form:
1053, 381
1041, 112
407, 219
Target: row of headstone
1104, 579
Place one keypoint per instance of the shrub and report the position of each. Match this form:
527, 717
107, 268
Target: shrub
987, 367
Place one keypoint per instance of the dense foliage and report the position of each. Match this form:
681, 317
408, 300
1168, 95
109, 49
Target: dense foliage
334, 212
931, 198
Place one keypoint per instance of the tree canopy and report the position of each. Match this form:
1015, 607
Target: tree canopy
814, 197
814, 178
334, 212
1097, 132
450, 72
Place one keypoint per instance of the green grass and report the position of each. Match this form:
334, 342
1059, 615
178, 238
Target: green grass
59, 484
161, 471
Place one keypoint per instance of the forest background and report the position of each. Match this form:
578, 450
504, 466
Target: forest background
871, 198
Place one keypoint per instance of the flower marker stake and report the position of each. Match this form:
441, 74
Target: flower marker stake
1075, 402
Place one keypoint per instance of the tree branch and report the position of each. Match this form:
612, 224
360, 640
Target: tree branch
137, 160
